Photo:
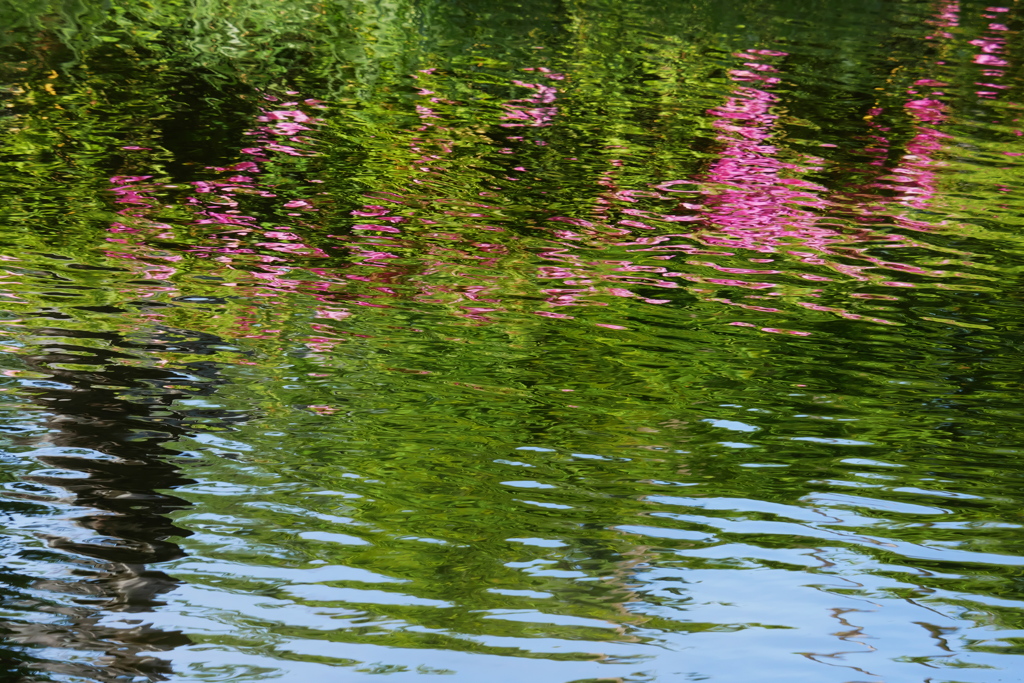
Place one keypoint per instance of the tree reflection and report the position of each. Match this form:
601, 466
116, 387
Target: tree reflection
108, 417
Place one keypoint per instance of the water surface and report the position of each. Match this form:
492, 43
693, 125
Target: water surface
635, 341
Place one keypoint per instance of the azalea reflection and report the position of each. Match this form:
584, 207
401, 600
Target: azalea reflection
418, 239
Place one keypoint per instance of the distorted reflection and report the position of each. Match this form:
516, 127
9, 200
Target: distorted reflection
590, 342
100, 451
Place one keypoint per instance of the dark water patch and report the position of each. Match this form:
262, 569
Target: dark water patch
97, 465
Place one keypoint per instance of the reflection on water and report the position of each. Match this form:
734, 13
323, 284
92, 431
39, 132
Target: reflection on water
605, 342
97, 446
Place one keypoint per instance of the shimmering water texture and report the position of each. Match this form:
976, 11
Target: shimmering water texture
625, 341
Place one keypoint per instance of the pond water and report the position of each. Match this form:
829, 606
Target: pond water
623, 341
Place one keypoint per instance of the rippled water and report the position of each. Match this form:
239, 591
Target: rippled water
581, 342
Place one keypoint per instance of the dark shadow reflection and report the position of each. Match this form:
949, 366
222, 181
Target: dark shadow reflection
119, 414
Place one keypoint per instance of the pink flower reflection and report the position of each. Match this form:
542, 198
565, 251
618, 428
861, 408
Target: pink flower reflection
749, 201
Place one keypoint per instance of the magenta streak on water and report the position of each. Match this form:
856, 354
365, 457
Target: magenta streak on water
538, 110
914, 179
215, 203
218, 206
992, 56
749, 202
377, 243
133, 192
